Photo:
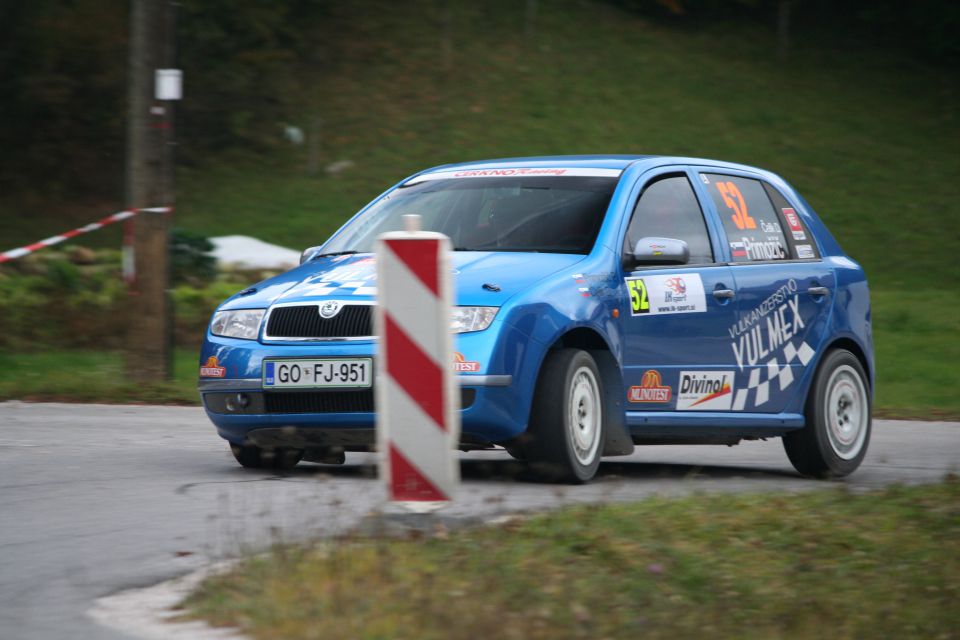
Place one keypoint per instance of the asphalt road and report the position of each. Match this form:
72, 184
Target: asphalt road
95, 499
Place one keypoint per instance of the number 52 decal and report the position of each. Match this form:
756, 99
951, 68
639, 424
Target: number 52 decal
638, 297
734, 199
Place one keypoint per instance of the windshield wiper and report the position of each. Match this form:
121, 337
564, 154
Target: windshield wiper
333, 253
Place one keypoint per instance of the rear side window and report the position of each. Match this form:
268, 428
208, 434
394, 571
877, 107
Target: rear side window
668, 208
750, 222
796, 232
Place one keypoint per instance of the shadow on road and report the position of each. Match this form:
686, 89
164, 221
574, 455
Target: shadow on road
500, 470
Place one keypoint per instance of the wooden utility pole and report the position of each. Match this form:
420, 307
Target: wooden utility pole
150, 184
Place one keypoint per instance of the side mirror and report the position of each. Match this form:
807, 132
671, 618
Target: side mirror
653, 251
308, 254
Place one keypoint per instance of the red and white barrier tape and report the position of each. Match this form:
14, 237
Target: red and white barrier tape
19, 252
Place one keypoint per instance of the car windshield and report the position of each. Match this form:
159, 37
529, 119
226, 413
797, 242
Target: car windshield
550, 214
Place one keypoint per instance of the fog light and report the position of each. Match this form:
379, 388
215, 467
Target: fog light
238, 402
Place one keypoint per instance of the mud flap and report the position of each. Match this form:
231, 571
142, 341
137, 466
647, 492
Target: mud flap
616, 441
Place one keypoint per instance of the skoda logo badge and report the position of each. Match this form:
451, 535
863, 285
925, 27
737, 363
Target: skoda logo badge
329, 309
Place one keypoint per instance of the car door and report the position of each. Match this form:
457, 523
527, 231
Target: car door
784, 290
674, 318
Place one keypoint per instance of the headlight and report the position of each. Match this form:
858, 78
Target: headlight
242, 323
464, 319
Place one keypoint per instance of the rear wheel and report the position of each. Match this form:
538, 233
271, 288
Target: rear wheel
834, 441
566, 421
253, 457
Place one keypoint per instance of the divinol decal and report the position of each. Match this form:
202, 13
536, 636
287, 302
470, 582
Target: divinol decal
651, 389
705, 391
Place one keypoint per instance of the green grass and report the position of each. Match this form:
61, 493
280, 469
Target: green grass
815, 565
867, 135
864, 135
917, 351
91, 376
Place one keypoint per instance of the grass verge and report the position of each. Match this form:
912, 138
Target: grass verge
917, 353
68, 375
804, 566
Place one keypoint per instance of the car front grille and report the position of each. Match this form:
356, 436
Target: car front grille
319, 401
334, 401
304, 322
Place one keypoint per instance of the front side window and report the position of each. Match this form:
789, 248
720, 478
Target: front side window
668, 208
751, 225
549, 214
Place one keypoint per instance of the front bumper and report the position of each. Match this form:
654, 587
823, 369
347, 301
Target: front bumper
499, 389
243, 411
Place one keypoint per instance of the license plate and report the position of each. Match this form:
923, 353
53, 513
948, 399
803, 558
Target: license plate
314, 374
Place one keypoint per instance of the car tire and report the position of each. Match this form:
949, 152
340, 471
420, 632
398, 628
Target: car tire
566, 422
834, 440
253, 457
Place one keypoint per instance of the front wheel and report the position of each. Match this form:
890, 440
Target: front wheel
834, 441
566, 421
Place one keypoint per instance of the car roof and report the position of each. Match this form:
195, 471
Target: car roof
613, 161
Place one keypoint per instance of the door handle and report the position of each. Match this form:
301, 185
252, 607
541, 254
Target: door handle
723, 294
818, 291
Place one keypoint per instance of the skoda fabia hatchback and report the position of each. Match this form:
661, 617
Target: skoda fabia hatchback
601, 302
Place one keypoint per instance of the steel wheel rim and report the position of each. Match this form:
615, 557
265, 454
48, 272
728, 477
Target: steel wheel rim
846, 412
584, 416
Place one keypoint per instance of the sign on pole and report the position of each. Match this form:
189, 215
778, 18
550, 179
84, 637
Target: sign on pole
418, 424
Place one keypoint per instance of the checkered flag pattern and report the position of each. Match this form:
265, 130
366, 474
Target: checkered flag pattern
326, 288
772, 371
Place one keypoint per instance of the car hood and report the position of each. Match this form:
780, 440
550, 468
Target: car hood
354, 277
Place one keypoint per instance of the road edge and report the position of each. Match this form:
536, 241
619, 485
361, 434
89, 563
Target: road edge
148, 612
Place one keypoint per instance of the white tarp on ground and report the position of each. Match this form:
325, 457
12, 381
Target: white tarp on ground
244, 252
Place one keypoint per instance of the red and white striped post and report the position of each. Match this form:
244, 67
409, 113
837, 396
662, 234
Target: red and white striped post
418, 424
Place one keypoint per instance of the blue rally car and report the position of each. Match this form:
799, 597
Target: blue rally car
601, 302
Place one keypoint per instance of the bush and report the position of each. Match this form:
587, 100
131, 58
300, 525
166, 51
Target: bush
190, 259
47, 301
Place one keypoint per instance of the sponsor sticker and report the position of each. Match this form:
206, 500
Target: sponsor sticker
462, 365
768, 345
596, 284
516, 172
651, 389
805, 251
764, 249
212, 369
766, 329
793, 221
666, 294
705, 391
